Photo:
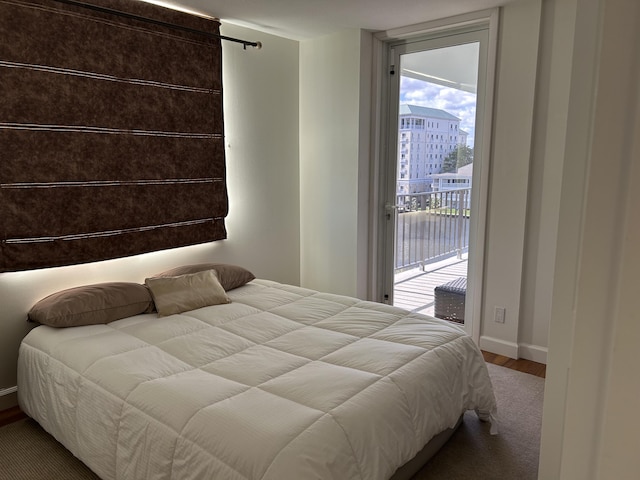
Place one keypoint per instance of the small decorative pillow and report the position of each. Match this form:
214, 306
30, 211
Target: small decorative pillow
230, 276
186, 292
92, 304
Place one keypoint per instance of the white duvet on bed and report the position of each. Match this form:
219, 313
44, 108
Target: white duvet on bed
282, 383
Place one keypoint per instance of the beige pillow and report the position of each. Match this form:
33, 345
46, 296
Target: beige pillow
92, 304
230, 276
186, 292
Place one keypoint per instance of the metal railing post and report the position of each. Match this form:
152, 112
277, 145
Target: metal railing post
429, 218
461, 203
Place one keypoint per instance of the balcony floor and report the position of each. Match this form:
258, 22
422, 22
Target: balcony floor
413, 289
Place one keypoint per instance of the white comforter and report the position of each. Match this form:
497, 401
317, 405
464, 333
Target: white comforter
282, 383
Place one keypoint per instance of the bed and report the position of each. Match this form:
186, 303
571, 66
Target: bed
274, 381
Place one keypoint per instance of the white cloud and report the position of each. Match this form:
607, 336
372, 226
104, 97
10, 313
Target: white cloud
457, 102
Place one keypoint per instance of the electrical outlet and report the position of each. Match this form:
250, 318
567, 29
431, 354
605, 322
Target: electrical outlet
499, 314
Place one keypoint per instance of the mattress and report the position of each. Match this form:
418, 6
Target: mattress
281, 383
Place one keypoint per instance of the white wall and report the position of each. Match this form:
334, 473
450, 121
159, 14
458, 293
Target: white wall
550, 129
261, 124
516, 74
617, 451
334, 163
589, 431
261, 130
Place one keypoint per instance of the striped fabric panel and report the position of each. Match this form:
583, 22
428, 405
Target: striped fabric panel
111, 130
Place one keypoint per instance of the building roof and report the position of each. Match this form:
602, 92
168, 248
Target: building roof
466, 171
463, 172
417, 110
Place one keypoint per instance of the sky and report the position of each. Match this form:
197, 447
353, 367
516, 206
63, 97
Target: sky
457, 102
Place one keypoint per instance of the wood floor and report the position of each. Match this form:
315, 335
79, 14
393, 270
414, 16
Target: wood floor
526, 366
10, 415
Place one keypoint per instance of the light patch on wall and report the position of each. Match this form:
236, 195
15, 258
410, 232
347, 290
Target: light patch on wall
180, 8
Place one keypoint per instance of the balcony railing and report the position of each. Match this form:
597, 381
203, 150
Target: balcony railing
431, 226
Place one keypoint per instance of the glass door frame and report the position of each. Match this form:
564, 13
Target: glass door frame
482, 28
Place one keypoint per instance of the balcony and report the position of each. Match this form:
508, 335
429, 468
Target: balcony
432, 242
413, 289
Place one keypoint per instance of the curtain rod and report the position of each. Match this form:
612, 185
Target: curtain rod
245, 43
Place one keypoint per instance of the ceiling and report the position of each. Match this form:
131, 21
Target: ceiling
305, 19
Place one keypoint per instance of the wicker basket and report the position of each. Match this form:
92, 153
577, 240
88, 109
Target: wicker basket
449, 300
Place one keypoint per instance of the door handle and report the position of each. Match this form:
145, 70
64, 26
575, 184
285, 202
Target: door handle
390, 209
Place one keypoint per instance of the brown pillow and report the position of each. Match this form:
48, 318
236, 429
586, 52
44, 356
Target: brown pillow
230, 276
92, 304
186, 292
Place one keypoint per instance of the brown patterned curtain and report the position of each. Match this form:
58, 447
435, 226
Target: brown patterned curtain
111, 132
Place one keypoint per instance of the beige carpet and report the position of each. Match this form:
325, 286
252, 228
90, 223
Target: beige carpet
473, 454
29, 453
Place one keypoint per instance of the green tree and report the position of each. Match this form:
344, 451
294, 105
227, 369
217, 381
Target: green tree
460, 157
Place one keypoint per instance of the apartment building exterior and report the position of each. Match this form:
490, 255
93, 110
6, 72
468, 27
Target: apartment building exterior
425, 137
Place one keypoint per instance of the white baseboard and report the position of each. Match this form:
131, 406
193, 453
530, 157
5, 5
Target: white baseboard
535, 353
8, 391
499, 347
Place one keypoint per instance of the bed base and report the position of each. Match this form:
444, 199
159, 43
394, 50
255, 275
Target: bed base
413, 466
